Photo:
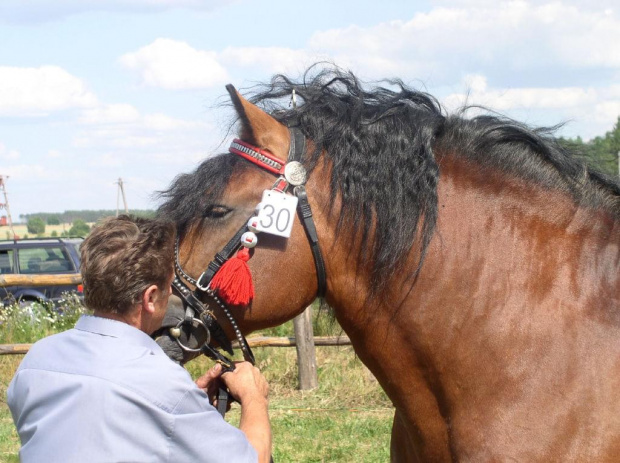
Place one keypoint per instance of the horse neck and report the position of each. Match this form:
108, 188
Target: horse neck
507, 256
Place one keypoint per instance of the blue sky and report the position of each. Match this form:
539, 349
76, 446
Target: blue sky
94, 90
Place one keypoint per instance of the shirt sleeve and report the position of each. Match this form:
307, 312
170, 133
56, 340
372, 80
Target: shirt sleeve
199, 433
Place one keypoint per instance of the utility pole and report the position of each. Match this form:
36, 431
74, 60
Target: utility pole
6, 203
121, 191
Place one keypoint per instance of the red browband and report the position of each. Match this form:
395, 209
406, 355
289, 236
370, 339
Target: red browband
262, 158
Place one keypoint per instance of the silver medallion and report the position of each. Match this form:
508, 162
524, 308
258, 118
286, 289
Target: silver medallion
295, 173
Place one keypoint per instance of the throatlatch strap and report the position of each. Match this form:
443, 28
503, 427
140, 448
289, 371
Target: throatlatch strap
306, 217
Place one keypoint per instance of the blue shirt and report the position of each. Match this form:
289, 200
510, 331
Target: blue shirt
106, 392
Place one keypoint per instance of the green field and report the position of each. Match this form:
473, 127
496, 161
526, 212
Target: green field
347, 419
22, 231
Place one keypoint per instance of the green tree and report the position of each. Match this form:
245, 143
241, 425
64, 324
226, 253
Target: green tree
36, 226
601, 152
79, 228
54, 234
53, 220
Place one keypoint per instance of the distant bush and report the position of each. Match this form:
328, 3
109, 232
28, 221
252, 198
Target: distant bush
54, 234
36, 226
79, 228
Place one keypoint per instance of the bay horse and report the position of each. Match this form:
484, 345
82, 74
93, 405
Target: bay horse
473, 262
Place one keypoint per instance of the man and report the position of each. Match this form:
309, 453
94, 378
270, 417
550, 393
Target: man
106, 392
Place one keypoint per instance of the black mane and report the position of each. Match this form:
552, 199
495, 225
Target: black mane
382, 145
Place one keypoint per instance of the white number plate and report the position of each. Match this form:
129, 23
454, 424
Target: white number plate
277, 213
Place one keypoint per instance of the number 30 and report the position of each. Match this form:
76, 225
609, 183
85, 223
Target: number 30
281, 221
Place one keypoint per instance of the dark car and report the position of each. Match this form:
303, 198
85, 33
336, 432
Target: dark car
39, 256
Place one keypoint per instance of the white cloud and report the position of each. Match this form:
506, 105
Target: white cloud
107, 160
8, 154
124, 120
54, 154
607, 112
110, 114
118, 134
515, 35
175, 65
39, 91
20, 11
28, 172
269, 59
162, 122
518, 98
587, 4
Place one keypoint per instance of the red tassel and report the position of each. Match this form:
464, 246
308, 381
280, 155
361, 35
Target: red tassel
234, 281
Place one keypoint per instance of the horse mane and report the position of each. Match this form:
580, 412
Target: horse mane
382, 145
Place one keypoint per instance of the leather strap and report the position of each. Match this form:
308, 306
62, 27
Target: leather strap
221, 258
297, 145
306, 216
191, 301
222, 400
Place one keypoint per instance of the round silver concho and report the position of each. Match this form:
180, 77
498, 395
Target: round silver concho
295, 173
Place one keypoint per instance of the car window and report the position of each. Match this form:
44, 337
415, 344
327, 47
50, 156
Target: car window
43, 260
76, 246
6, 261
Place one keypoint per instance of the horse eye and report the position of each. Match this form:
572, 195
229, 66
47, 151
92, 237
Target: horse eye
216, 211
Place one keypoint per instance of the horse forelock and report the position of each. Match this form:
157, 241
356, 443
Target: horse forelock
190, 195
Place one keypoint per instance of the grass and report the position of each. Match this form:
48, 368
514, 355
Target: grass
347, 418
21, 230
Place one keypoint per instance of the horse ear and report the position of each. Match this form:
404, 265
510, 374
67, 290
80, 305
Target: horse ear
258, 127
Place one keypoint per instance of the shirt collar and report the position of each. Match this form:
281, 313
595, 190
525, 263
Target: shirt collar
117, 329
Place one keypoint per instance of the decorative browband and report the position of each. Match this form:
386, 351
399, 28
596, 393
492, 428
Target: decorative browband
258, 156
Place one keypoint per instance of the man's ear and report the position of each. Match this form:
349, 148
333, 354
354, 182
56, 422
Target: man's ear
149, 296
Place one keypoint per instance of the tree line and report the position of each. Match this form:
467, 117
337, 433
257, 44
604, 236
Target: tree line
36, 223
601, 152
56, 218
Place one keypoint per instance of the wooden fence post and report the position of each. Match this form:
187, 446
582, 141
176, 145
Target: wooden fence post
306, 356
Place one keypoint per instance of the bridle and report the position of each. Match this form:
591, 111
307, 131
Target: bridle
197, 314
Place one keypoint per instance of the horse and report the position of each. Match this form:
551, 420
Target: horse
473, 262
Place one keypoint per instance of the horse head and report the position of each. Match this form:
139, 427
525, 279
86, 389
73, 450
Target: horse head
282, 269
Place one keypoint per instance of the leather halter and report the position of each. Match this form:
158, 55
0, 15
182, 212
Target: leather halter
191, 299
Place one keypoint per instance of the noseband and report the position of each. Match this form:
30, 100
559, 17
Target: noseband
198, 314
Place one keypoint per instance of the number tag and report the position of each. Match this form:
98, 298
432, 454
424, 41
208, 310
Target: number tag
277, 213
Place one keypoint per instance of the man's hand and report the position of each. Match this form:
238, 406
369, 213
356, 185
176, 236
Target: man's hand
210, 382
246, 383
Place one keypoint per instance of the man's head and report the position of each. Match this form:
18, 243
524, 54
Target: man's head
122, 258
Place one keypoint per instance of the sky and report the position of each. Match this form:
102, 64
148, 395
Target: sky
96, 90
